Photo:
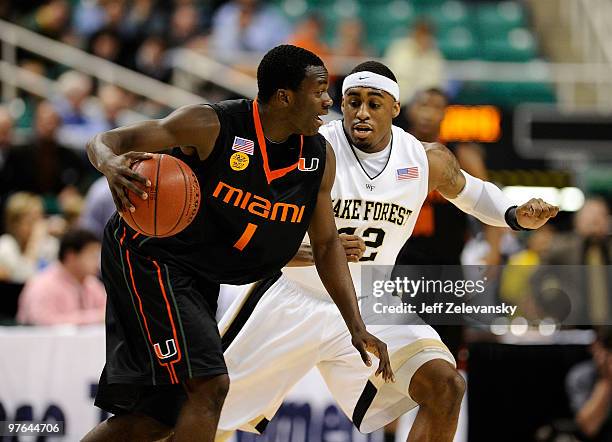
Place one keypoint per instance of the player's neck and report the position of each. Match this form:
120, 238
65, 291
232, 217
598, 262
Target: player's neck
274, 125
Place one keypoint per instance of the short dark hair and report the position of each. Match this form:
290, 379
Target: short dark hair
75, 240
283, 67
375, 67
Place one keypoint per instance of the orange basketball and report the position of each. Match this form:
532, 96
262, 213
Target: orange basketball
173, 198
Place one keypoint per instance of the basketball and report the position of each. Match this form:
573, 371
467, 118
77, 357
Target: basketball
173, 198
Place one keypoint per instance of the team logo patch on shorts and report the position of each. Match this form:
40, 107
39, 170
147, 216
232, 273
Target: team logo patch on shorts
239, 161
168, 352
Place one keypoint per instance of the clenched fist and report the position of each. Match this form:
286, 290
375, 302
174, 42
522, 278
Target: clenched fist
535, 213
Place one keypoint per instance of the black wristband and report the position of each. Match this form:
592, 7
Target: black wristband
510, 217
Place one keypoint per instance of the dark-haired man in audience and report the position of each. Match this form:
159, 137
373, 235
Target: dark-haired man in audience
67, 292
589, 388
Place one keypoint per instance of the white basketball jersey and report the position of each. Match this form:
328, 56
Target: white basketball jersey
382, 209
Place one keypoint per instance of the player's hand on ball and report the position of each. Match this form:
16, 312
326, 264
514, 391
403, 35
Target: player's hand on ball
121, 178
354, 247
366, 342
535, 213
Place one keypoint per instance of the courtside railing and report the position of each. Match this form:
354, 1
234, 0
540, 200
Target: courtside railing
192, 67
14, 37
566, 78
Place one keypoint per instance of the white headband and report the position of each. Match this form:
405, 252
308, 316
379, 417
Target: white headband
370, 79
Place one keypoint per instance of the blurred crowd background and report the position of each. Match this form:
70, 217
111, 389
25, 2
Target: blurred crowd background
520, 90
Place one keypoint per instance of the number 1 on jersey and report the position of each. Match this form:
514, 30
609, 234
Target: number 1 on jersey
246, 236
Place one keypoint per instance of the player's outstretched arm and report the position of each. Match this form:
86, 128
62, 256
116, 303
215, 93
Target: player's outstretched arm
480, 198
331, 263
113, 152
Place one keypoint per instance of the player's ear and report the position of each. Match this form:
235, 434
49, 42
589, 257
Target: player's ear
283, 97
342, 104
396, 109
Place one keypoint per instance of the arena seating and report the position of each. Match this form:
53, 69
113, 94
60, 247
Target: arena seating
497, 31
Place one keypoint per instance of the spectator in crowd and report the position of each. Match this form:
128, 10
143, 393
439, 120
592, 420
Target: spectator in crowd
416, 61
131, 20
5, 10
99, 207
151, 59
98, 115
577, 271
6, 136
515, 287
116, 21
247, 26
145, 17
8, 171
26, 246
75, 88
107, 44
26, 103
70, 204
89, 18
77, 111
68, 291
51, 19
186, 27
113, 103
349, 39
422, 116
589, 388
114, 12
308, 34
46, 167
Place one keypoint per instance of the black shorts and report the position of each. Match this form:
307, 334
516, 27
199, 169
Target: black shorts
160, 330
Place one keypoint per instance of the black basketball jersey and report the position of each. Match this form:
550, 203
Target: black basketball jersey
257, 199
439, 235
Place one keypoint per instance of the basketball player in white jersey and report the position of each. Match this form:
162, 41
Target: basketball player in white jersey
275, 333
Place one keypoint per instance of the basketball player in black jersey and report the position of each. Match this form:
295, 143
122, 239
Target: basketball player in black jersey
265, 176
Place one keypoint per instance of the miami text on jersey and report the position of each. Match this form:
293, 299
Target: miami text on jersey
258, 205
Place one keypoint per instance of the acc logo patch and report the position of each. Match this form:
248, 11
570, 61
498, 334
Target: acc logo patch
239, 161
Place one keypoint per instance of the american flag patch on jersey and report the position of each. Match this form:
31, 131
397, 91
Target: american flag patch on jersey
407, 173
243, 145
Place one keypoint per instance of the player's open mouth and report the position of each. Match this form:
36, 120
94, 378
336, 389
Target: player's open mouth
362, 129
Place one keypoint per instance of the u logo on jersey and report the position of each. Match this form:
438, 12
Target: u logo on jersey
169, 352
314, 165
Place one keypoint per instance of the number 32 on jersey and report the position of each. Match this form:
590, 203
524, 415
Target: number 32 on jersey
373, 238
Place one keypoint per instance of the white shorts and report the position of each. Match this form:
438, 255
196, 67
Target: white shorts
274, 335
